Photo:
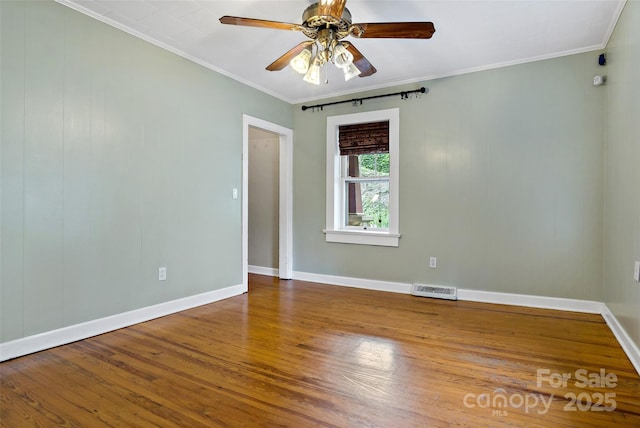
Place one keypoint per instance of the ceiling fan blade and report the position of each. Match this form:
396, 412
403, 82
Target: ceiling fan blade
285, 59
363, 64
394, 30
250, 22
331, 8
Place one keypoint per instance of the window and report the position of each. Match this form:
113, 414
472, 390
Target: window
362, 178
364, 158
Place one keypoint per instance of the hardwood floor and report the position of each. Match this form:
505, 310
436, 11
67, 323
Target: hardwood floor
293, 353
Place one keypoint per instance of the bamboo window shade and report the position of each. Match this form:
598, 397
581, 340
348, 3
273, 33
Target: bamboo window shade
363, 138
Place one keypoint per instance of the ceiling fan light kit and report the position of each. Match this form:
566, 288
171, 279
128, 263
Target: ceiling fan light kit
327, 49
326, 23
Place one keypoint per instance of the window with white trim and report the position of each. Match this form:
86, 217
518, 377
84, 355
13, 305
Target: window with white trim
362, 178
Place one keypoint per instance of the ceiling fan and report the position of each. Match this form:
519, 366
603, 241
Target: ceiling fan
327, 23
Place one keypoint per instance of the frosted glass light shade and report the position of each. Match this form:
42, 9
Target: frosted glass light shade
341, 56
313, 74
350, 71
300, 62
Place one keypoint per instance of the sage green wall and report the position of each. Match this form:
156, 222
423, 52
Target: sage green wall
622, 203
117, 158
264, 164
501, 178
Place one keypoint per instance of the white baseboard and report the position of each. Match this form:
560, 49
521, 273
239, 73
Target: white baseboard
625, 341
62, 336
573, 305
369, 284
259, 270
558, 303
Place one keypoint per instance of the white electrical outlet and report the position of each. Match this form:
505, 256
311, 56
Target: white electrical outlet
235, 193
433, 262
636, 271
162, 274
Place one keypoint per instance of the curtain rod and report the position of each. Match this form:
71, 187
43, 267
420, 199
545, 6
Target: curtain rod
355, 101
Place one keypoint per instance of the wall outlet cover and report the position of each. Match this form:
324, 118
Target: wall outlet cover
636, 271
162, 274
599, 80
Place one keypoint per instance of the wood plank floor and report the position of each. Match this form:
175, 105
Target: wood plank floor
299, 354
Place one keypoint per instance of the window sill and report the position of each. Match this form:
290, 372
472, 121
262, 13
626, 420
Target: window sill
363, 237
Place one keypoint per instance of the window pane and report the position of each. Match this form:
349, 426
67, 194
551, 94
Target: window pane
374, 165
367, 204
368, 165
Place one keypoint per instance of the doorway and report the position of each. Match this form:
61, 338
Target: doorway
285, 195
264, 172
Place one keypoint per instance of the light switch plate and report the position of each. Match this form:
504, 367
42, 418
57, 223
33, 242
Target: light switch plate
162, 274
636, 271
235, 193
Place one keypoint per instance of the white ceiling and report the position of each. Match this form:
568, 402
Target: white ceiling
470, 35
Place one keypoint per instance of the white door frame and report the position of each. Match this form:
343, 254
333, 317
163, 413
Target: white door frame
285, 226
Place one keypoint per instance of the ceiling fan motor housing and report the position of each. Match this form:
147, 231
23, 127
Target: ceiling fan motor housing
312, 22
